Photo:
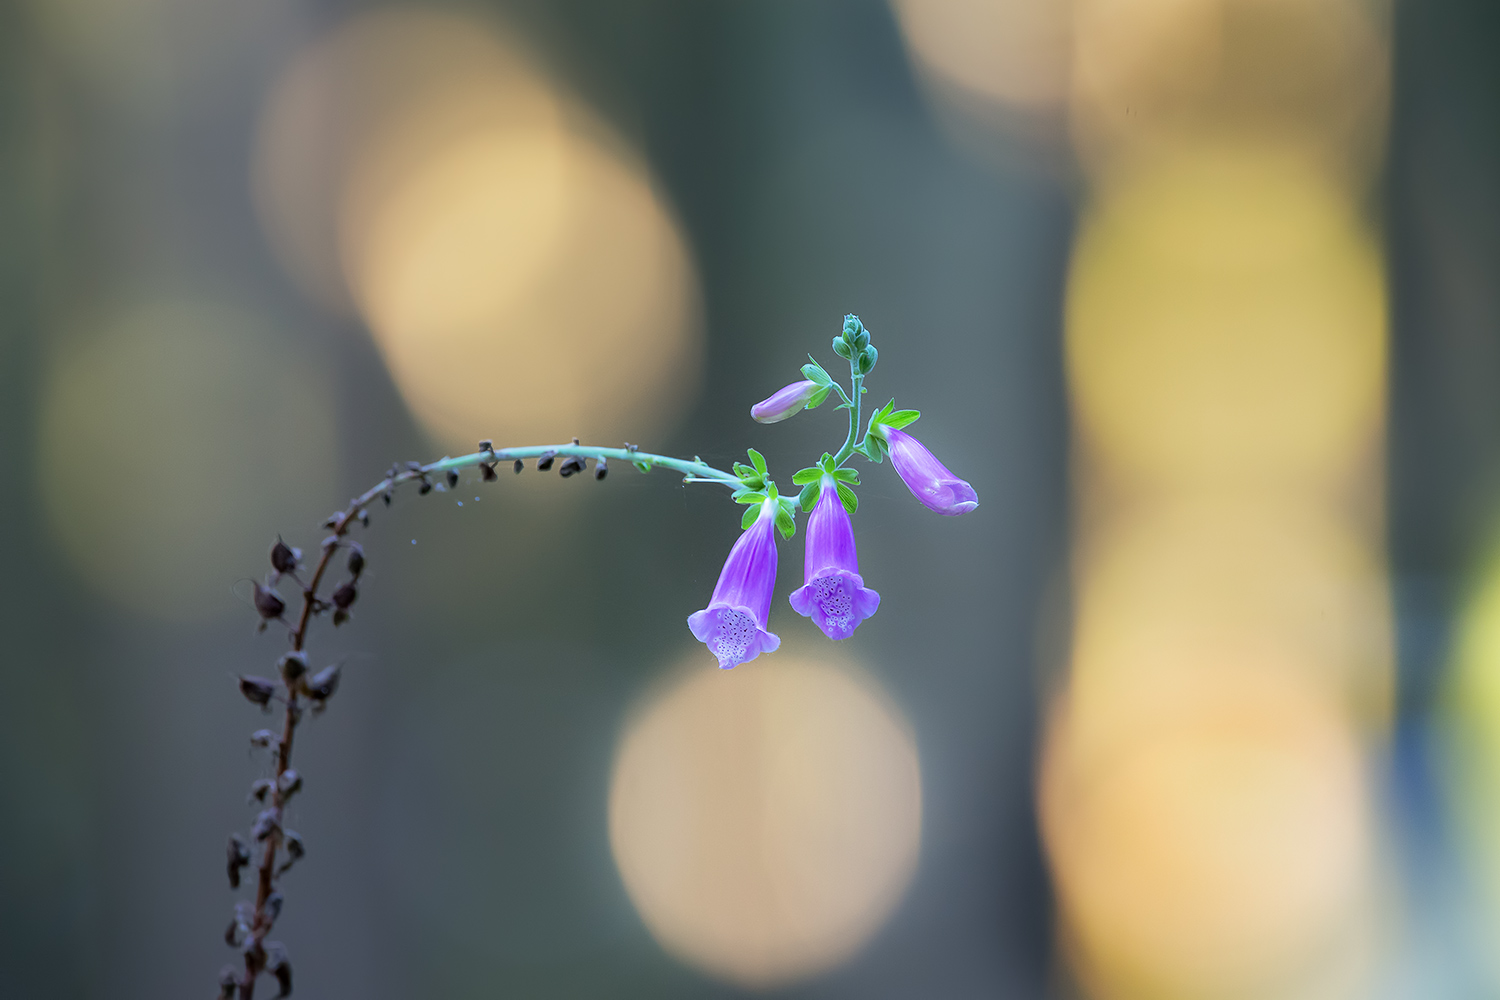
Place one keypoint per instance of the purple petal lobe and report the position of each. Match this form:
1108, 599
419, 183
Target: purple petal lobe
784, 402
733, 626
834, 595
927, 478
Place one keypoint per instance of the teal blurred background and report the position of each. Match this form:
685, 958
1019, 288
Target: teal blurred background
1202, 702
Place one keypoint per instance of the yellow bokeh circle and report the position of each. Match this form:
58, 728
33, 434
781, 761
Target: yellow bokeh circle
766, 820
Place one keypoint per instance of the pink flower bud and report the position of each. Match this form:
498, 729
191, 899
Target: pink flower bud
785, 402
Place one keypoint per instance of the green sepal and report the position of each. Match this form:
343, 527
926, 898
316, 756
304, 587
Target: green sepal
759, 460
867, 359
752, 479
747, 496
811, 474
809, 496
751, 513
786, 522
849, 476
815, 372
847, 497
901, 418
816, 399
841, 348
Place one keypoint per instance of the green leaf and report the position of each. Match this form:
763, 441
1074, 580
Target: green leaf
751, 513
847, 498
785, 522
759, 460
747, 496
816, 399
811, 474
901, 418
809, 496
849, 476
815, 372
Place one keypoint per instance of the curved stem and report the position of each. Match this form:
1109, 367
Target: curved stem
312, 604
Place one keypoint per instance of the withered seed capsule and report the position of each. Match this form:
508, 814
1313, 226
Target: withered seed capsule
257, 690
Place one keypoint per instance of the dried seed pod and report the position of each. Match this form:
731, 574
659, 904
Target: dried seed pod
572, 464
364, 517
258, 690
284, 558
229, 982
274, 902
519, 466
425, 488
268, 603
292, 665
295, 848
356, 559
544, 461
264, 738
345, 595
239, 857
289, 784
340, 616
452, 478
601, 469
280, 966
259, 790
265, 822
386, 496
324, 683
234, 933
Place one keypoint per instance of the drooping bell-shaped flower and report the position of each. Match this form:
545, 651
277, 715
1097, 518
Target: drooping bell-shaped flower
784, 402
733, 626
927, 478
833, 594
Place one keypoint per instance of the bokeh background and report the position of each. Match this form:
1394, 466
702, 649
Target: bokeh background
1202, 702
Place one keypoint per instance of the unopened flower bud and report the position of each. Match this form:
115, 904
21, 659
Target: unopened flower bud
239, 857
570, 465
345, 595
258, 690
292, 665
268, 603
283, 557
356, 558
784, 402
867, 359
601, 469
544, 461
841, 348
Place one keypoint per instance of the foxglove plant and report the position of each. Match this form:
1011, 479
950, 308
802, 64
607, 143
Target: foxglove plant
734, 625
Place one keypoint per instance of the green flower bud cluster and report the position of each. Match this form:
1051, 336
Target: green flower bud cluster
853, 345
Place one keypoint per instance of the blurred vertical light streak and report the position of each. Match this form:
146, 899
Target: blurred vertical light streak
1204, 792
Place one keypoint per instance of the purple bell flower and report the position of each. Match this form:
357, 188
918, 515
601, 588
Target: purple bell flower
785, 402
733, 626
927, 478
834, 595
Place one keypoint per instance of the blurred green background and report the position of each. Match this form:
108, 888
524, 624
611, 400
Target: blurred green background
1202, 701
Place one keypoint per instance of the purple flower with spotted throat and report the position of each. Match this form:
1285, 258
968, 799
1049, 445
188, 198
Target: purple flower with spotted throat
833, 594
733, 626
784, 403
927, 478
